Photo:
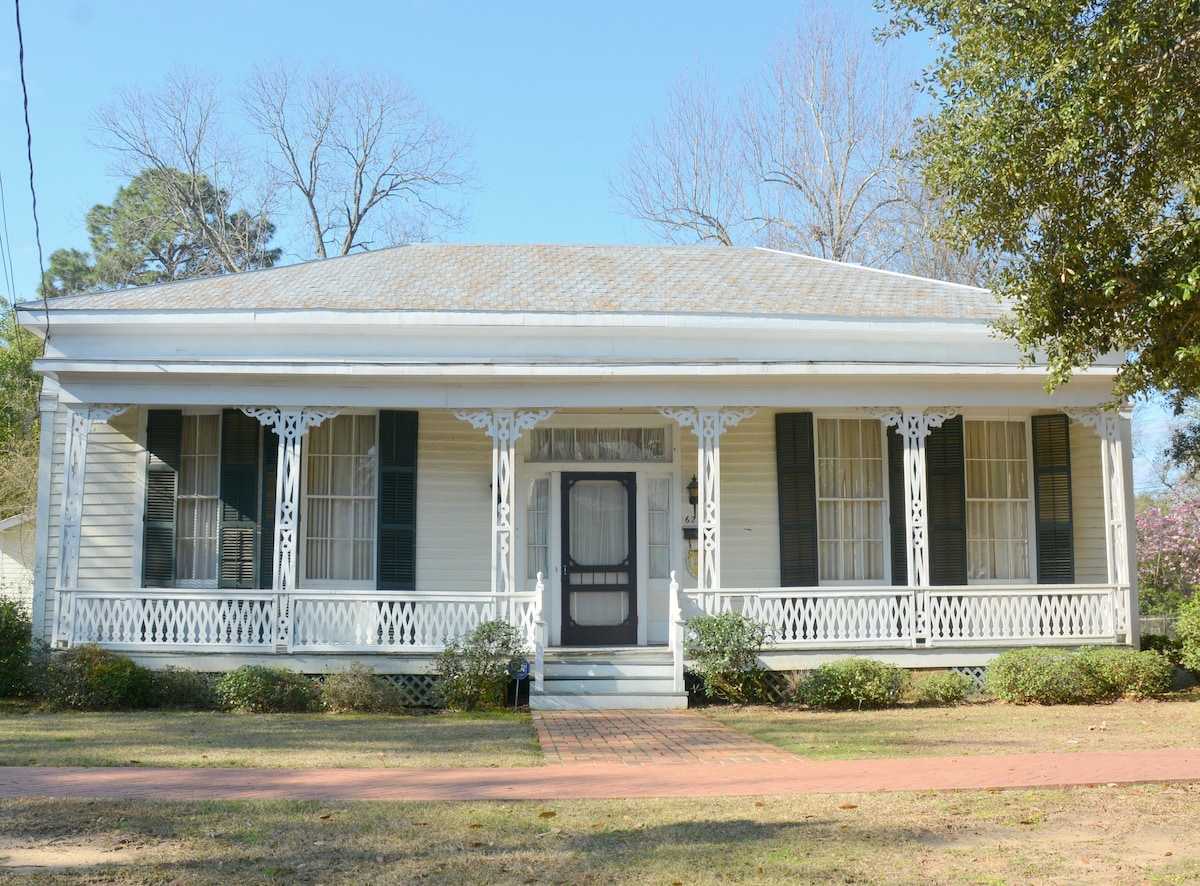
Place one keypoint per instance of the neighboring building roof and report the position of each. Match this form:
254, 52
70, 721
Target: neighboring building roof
565, 279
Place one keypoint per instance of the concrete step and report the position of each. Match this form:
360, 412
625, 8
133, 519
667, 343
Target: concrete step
560, 686
583, 670
609, 701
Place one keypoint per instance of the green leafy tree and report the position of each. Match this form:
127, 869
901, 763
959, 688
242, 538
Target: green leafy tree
19, 386
1064, 144
164, 225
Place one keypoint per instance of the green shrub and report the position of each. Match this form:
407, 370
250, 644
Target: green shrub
1059, 676
89, 678
16, 644
360, 689
1187, 628
944, 688
473, 670
853, 683
265, 690
1120, 672
1171, 648
183, 689
723, 652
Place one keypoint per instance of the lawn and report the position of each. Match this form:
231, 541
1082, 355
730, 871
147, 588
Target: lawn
1135, 835
282, 741
985, 728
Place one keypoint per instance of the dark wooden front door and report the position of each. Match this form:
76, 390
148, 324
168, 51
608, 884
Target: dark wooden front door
599, 535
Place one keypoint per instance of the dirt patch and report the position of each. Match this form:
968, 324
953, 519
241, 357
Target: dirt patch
29, 856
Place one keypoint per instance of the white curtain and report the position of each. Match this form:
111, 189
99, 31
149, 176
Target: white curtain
599, 536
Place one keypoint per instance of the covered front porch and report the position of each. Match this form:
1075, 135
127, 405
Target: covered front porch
669, 566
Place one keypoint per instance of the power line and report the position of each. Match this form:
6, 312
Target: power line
37, 230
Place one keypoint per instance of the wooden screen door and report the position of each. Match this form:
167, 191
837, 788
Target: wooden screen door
599, 563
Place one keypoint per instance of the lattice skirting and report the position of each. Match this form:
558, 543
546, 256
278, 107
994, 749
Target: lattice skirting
975, 673
417, 690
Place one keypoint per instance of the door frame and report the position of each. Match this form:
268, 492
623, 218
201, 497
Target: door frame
627, 633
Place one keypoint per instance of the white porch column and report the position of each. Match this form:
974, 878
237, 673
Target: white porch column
1108, 424
79, 425
708, 425
504, 426
290, 425
914, 427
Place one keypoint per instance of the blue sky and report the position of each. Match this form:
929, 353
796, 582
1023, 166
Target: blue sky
551, 91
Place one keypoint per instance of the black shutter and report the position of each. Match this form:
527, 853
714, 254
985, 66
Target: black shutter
239, 499
268, 500
397, 501
896, 510
164, 431
1052, 499
795, 463
946, 490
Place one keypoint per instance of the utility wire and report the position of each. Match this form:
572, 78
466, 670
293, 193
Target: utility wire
37, 230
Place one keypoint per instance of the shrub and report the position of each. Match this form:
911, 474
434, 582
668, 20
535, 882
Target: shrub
853, 683
184, 689
360, 689
723, 651
265, 690
1059, 676
16, 644
88, 678
1187, 628
473, 670
1171, 648
1118, 672
944, 688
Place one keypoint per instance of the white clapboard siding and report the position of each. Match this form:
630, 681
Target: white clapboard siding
749, 504
454, 520
106, 536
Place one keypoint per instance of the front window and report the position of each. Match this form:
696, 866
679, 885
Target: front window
997, 464
851, 505
342, 483
198, 502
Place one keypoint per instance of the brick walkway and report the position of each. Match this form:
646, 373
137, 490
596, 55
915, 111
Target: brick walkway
607, 755
634, 738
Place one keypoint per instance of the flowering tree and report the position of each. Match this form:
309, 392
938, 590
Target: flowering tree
1168, 555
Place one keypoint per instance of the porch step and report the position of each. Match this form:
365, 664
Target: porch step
608, 679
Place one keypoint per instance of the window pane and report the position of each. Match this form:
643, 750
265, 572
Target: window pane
997, 500
851, 522
342, 479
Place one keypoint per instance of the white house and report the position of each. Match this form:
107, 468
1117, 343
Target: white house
359, 457
16, 558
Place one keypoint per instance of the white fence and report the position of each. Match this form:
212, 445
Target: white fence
377, 621
897, 617
260, 621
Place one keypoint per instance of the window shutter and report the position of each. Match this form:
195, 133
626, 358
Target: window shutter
946, 488
796, 474
268, 500
239, 499
164, 431
397, 566
1052, 499
896, 511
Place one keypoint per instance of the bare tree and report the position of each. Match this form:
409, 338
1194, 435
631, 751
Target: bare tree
176, 138
824, 133
684, 176
922, 249
370, 163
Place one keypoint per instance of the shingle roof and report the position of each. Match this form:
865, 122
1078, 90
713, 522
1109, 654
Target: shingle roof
566, 279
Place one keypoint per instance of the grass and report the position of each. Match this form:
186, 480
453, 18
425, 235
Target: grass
1145, 834
984, 728
280, 741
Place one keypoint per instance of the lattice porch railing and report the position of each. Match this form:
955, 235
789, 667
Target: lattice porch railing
261, 621
895, 617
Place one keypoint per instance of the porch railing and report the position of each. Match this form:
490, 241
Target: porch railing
420, 622
897, 617
149, 619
